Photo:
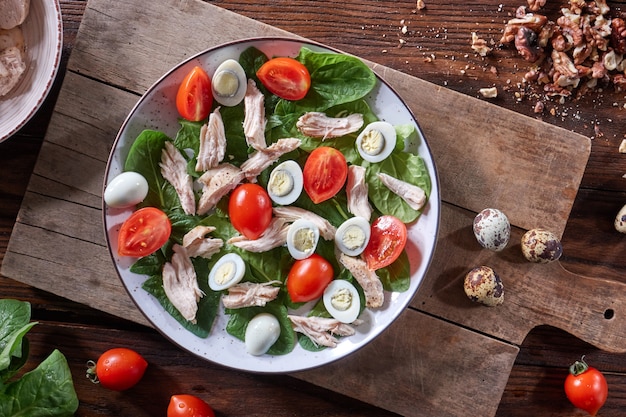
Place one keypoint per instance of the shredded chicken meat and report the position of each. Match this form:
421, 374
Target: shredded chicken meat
198, 244
254, 117
274, 236
321, 330
181, 284
367, 279
356, 190
216, 183
319, 125
291, 214
174, 170
212, 142
263, 158
249, 294
414, 196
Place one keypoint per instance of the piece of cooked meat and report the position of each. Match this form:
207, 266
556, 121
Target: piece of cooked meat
321, 330
254, 117
319, 125
291, 214
367, 279
181, 284
249, 294
216, 183
356, 190
263, 158
274, 236
212, 142
198, 244
13, 13
174, 170
414, 196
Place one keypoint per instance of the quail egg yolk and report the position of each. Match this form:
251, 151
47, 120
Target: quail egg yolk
304, 239
353, 238
341, 299
226, 83
225, 272
280, 183
373, 142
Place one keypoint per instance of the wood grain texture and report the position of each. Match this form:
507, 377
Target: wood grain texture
370, 29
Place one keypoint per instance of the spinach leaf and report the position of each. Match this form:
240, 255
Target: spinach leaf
403, 165
46, 391
144, 157
335, 79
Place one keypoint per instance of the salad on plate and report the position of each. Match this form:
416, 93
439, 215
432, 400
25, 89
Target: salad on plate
282, 202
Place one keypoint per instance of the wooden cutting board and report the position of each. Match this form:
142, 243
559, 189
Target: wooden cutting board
442, 354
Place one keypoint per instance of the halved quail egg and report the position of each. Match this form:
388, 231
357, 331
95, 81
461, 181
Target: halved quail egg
342, 301
262, 332
376, 141
285, 183
229, 83
302, 238
227, 271
352, 236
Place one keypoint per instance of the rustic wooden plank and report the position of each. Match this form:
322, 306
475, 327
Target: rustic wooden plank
427, 368
535, 294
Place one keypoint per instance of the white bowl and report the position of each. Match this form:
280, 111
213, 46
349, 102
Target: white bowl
43, 36
156, 110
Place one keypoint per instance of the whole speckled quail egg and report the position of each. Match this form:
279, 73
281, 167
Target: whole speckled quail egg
620, 220
484, 286
492, 229
541, 246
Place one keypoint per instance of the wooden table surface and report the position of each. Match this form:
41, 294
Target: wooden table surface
433, 46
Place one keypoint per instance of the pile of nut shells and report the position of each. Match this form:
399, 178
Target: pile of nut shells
492, 230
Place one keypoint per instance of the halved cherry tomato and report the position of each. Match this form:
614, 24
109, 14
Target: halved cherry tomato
118, 369
387, 241
308, 278
285, 77
586, 387
325, 172
250, 210
144, 232
195, 98
186, 405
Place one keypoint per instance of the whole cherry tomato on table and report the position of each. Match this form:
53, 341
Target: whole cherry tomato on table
117, 369
325, 172
308, 278
285, 77
144, 232
586, 387
186, 405
250, 210
195, 97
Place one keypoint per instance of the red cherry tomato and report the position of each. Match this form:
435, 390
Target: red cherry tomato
586, 387
285, 77
387, 241
118, 369
250, 210
195, 98
185, 405
308, 278
325, 172
144, 232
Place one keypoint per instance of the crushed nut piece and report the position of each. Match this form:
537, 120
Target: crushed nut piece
622, 146
480, 45
420, 5
491, 92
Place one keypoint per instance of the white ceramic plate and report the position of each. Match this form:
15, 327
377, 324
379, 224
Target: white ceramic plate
156, 110
43, 36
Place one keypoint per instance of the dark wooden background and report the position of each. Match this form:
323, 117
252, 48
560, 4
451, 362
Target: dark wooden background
372, 30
